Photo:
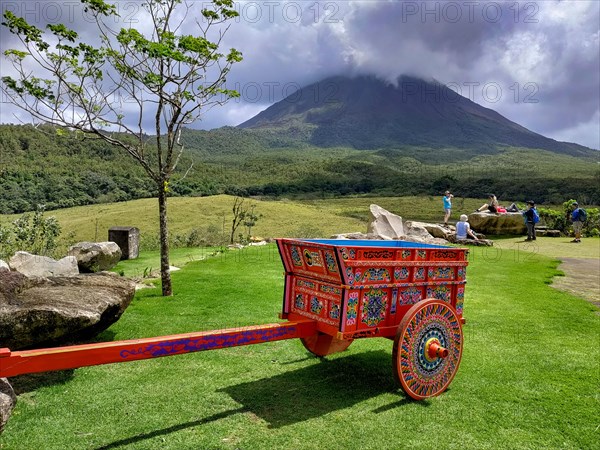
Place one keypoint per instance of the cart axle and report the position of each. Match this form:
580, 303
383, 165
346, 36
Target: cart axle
435, 350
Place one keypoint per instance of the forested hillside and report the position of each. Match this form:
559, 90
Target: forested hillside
61, 169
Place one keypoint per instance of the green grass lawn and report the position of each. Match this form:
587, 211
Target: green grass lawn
528, 378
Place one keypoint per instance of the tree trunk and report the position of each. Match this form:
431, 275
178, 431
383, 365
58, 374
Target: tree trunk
165, 273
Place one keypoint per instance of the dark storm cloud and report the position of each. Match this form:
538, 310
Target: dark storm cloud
536, 63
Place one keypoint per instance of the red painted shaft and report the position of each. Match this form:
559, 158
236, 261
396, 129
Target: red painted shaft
61, 358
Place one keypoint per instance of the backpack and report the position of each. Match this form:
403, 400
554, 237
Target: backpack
536, 216
582, 215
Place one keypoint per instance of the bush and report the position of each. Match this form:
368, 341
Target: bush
32, 233
211, 236
561, 220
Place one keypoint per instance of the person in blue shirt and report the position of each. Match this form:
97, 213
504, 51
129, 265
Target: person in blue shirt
447, 199
529, 222
577, 222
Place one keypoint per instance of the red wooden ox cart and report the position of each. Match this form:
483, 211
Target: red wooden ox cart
335, 291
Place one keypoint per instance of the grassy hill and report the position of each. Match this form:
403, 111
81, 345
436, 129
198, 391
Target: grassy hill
206, 214
39, 166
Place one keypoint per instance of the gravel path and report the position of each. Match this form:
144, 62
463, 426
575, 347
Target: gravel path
582, 278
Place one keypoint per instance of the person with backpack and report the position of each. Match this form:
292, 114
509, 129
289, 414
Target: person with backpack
578, 217
531, 218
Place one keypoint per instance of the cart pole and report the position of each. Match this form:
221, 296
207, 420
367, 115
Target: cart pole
61, 358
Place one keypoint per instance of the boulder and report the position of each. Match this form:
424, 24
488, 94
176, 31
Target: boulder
439, 231
43, 266
489, 223
548, 233
8, 400
427, 230
360, 236
42, 311
96, 256
472, 242
384, 223
4, 265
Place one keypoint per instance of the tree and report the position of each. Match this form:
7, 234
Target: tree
250, 219
166, 77
239, 213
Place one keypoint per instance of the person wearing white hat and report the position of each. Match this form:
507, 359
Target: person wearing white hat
463, 228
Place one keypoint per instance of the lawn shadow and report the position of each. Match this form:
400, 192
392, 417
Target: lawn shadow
169, 430
318, 389
302, 394
32, 381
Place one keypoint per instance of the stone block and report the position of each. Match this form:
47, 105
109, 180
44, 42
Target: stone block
128, 240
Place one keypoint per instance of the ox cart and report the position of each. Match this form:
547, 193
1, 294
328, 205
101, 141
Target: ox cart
335, 291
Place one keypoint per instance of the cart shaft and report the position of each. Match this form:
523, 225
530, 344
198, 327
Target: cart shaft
61, 358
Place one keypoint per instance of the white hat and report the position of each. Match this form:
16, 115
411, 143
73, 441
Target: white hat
463, 218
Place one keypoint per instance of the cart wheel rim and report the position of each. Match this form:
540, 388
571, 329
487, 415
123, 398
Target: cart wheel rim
420, 373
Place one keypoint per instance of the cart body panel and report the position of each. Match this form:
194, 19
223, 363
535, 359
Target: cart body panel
363, 288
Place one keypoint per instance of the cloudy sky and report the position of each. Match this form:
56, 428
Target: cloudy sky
537, 63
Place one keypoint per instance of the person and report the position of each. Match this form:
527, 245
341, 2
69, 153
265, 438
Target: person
529, 222
513, 208
447, 199
491, 206
577, 222
463, 229
494, 206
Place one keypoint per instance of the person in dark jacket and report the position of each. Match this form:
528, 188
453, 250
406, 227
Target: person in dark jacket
529, 214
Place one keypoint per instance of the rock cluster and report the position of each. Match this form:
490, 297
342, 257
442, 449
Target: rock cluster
45, 302
388, 226
8, 399
38, 311
95, 256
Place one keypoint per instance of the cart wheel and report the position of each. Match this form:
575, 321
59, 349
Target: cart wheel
322, 344
427, 349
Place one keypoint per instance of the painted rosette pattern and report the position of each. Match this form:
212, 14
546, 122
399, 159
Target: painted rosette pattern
421, 375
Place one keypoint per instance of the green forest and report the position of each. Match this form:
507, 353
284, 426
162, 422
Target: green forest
47, 166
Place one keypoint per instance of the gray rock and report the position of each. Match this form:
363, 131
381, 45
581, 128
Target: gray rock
358, 235
38, 311
439, 231
488, 223
384, 223
8, 400
473, 242
43, 266
426, 230
424, 240
96, 256
548, 233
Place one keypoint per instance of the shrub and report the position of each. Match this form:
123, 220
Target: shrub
32, 233
561, 220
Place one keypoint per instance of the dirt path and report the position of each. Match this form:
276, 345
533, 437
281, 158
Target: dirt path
582, 278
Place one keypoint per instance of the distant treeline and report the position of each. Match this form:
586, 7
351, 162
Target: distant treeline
40, 166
